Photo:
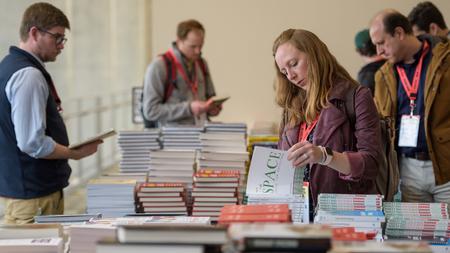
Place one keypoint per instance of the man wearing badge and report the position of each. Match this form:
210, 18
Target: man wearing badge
413, 88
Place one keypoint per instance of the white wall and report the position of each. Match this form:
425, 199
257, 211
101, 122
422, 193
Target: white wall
239, 37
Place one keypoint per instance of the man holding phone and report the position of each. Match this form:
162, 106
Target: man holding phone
177, 85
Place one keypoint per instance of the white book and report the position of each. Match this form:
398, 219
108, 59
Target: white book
35, 245
271, 173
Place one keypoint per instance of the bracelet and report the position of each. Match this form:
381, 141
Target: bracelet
324, 155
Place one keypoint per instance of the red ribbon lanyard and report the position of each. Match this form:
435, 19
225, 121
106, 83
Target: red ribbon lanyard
411, 89
305, 130
192, 84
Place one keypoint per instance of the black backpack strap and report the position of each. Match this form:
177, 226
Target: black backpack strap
350, 110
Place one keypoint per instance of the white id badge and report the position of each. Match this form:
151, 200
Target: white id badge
409, 131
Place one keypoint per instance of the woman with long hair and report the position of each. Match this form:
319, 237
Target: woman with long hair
313, 88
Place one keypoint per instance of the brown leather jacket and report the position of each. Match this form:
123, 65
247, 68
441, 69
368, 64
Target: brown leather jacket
333, 130
437, 106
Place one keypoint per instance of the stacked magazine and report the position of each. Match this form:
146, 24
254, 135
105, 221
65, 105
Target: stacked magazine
135, 148
273, 180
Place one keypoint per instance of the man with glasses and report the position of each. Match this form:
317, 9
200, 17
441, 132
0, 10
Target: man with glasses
33, 138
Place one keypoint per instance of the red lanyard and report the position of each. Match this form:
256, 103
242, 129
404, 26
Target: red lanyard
192, 84
304, 131
411, 89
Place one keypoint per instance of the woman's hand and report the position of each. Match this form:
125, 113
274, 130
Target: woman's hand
303, 153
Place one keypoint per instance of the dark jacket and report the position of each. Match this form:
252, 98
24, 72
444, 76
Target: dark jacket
366, 76
333, 130
22, 176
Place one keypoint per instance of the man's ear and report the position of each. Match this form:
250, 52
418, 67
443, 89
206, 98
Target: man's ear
433, 29
33, 33
399, 33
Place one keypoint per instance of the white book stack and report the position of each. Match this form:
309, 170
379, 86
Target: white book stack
135, 147
419, 221
273, 180
181, 137
171, 166
225, 151
111, 197
361, 211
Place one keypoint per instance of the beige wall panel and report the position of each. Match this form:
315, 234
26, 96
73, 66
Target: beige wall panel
239, 36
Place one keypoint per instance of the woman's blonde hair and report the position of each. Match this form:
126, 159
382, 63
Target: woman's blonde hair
322, 71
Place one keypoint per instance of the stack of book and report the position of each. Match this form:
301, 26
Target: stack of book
254, 213
111, 197
171, 166
273, 237
181, 137
160, 198
212, 190
222, 127
418, 221
234, 142
183, 238
84, 238
225, 151
362, 212
272, 179
135, 148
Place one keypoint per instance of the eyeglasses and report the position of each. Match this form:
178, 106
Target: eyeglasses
59, 38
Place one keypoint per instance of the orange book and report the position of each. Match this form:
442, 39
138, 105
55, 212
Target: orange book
256, 209
229, 218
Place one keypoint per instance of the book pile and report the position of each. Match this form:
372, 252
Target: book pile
182, 238
135, 148
418, 221
277, 237
272, 179
225, 151
222, 127
181, 137
212, 190
160, 199
255, 213
84, 237
361, 212
110, 196
171, 166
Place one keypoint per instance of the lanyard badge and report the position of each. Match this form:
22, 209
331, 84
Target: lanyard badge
409, 124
